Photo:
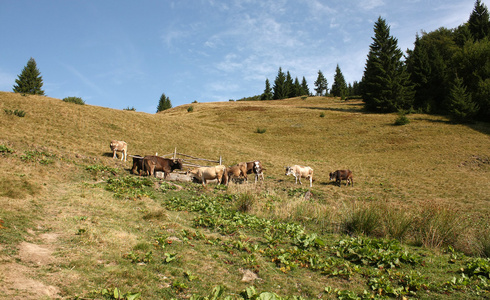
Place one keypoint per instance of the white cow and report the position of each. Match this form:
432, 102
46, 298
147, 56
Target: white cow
258, 171
208, 173
119, 146
300, 171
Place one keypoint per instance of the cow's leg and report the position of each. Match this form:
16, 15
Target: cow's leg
114, 154
311, 181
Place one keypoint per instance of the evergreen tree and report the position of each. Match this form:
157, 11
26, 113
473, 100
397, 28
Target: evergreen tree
321, 84
429, 67
339, 87
267, 95
30, 80
280, 88
164, 103
305, 90
479, 24
289, 86
386, 84
297, 88
461, 108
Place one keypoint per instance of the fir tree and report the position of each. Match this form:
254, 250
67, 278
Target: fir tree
267, 95
386, 84
164, 103
297, 88
461, 107
321, 84
30, 80
479, 23
305, 90
289, 86
339, 87
279, 88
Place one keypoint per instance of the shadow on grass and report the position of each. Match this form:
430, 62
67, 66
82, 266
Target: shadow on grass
479, 126
347, 107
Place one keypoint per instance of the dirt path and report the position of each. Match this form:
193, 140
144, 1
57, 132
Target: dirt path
19, 277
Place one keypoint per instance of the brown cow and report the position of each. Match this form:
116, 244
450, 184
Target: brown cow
151, 164
137, 164
204, 174
119, 146
236, 171
340, 175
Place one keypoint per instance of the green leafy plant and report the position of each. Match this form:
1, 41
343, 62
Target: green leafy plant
17, 112
190, 109
130, 187
260, 130
41, 157
5, 149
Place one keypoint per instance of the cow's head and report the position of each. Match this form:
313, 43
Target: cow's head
332, 175
178, 164
257, 168
289, 171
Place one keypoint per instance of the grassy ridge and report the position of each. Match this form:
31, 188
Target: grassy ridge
56, 169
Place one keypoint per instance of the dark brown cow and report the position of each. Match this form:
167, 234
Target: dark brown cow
151, 164
340, 175
137, 164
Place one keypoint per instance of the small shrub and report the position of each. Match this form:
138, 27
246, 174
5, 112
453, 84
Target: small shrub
322, 115
130, 108
17, 112
5, 149
260, 130
76, 100
304, 97
402, 119
190, 109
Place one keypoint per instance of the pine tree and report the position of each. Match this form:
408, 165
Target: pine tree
461, 107
279, 88
267, 95
479, 24
339, 87
297, 88
164, 103
30, 80
321, 84
305, 90
289, 86
386, 84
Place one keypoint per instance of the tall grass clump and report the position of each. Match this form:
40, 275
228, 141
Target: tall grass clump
438, 226
360, 218
245, 202
397, 222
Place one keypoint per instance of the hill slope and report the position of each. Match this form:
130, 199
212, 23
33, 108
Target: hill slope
56, 160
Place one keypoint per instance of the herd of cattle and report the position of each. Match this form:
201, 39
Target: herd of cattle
149, 165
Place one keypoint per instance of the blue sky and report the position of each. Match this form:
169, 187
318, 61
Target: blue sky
124, 53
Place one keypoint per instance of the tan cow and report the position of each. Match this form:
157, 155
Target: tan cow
204, 174
236, 171
119, 146
300, 171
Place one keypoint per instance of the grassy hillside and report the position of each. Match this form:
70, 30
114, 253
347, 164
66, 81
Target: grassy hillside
74, 222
